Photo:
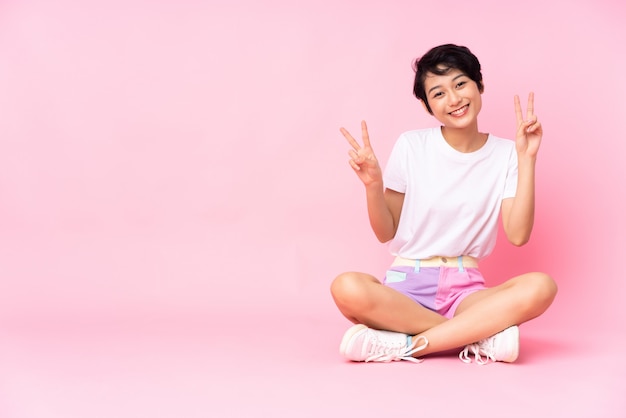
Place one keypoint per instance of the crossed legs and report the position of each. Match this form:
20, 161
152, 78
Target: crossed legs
365, 300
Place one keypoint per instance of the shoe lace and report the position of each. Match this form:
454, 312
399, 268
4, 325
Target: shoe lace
386, 351
481, 348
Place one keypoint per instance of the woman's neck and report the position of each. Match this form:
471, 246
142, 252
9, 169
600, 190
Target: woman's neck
464, 140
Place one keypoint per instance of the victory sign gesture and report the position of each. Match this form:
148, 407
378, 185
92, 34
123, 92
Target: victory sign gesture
529, 130
362, 158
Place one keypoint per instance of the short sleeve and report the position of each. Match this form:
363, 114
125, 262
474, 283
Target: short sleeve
395, 175
510, 185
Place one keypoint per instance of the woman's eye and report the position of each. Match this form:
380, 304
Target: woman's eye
438, 94
461, 84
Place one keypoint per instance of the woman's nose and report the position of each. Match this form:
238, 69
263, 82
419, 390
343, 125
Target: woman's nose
454, 98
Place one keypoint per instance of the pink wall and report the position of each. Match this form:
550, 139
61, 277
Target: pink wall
185, 156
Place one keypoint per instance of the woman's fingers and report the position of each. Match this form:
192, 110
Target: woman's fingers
353, 142
532, 124
518, 109
530, 109
355, 145
354, 165
365, 135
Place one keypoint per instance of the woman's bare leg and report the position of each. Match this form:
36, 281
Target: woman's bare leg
487, 312
364, 300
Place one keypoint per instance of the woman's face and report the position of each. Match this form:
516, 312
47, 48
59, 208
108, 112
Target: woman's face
454, 98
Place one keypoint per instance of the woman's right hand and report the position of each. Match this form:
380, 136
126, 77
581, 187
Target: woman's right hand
362, 158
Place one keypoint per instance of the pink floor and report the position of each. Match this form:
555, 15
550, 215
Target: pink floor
270, 365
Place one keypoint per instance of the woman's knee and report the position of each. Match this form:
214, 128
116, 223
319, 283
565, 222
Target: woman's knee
546, 286
542, 290
343, 284
349, 288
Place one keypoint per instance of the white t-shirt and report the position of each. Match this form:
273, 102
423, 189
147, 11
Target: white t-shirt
452, 199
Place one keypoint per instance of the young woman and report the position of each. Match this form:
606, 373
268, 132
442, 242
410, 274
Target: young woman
438, 203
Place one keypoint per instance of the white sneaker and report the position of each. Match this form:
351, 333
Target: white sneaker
503, 346
361, 343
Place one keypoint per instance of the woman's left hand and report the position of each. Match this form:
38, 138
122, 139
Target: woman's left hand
529, 130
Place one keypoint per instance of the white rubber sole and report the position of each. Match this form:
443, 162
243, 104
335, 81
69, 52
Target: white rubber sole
512, 351
346, 341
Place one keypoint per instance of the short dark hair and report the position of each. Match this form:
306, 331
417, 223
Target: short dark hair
440, 60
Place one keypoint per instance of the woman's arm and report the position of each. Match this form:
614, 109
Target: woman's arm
384, 211
518, 213
383, 205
